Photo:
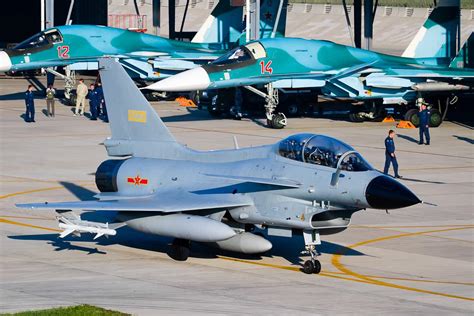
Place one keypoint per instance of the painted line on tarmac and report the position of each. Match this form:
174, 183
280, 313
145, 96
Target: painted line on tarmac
33, 191
7, 221
367, 279
29, 191
341, 267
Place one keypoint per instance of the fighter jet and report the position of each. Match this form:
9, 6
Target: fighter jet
306, 183
145, 56
340, 71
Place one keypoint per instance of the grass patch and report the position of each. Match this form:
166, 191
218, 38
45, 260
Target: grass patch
80, 310
465, 4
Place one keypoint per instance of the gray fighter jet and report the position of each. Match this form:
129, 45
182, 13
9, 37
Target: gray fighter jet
306, 183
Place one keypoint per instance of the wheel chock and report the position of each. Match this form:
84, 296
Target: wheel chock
405, 124
388, 119
185, 102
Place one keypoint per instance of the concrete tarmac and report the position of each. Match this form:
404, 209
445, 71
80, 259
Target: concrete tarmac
417, 260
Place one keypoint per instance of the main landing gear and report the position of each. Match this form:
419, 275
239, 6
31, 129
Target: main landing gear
311, 239
69, 82
274, 120
180, 249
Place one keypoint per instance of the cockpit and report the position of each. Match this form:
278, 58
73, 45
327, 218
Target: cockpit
242, 54
40, 40
322, 150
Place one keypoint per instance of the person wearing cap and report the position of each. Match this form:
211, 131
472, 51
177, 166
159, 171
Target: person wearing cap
424, 126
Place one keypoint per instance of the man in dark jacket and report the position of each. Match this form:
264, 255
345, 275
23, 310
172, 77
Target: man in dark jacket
30, 105
424, 116
390, 156
93, 102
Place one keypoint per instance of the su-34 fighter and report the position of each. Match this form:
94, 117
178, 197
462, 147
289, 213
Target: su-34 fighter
305, 183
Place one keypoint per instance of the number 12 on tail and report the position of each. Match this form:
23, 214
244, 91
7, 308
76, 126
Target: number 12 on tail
266, 68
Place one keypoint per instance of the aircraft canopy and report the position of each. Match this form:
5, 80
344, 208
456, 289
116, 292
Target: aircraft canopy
41, 39
322, 150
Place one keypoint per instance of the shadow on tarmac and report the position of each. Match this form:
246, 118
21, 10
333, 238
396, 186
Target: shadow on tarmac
466, 139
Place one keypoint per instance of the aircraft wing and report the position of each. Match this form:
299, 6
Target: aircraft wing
165, 202
449, 73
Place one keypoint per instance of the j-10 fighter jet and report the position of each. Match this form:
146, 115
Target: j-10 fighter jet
144, 56
305, 183
428, 66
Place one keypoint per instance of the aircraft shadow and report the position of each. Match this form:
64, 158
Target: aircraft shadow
466, 139
193, 114
288, 248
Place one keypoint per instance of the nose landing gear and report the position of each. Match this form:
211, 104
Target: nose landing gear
274, 120
311, 239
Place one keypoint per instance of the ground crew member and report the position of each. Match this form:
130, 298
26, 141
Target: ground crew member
424, 115
50, 93
390, 156
30, 105
103, 108
81, 93
93, 102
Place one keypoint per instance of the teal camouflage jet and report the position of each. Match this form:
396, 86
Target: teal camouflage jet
339, 71
144, 56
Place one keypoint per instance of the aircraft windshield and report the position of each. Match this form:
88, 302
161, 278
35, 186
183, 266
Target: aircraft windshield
237, 55
322, 150
41, 39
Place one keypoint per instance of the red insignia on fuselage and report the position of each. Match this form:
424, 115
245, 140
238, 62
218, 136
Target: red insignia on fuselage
137, 180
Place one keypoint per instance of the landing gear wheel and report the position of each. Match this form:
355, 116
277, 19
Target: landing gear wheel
412, 116
435, 118
278, 121
317, 267
181, 249
356, 117
308, 267
72, 99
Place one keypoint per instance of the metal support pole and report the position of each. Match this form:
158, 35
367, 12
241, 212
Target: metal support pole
253, 20
42, 9
368, 23
49, 13
172, 18
358, 23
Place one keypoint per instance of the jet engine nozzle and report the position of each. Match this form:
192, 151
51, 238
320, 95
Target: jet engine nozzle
189, 80
5, 61
386, 193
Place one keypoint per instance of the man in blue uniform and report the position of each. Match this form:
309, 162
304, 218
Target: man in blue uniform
102, 106
30, 105
424, 126
93, 102
390, 154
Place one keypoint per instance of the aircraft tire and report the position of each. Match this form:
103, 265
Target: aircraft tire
435, 118
72, 99
269, 123
412, 116
317, 267
278, 121
308, 267
181, 249
356, 118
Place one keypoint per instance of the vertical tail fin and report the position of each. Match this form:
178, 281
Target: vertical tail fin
273, 18
465, 56
437, 36
137, 130
224, 25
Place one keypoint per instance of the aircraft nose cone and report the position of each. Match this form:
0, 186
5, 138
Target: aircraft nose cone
5, 62
189, 80
386, 193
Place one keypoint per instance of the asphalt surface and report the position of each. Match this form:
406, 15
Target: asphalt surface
417, 260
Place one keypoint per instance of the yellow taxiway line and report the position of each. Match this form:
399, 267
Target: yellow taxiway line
336, 261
